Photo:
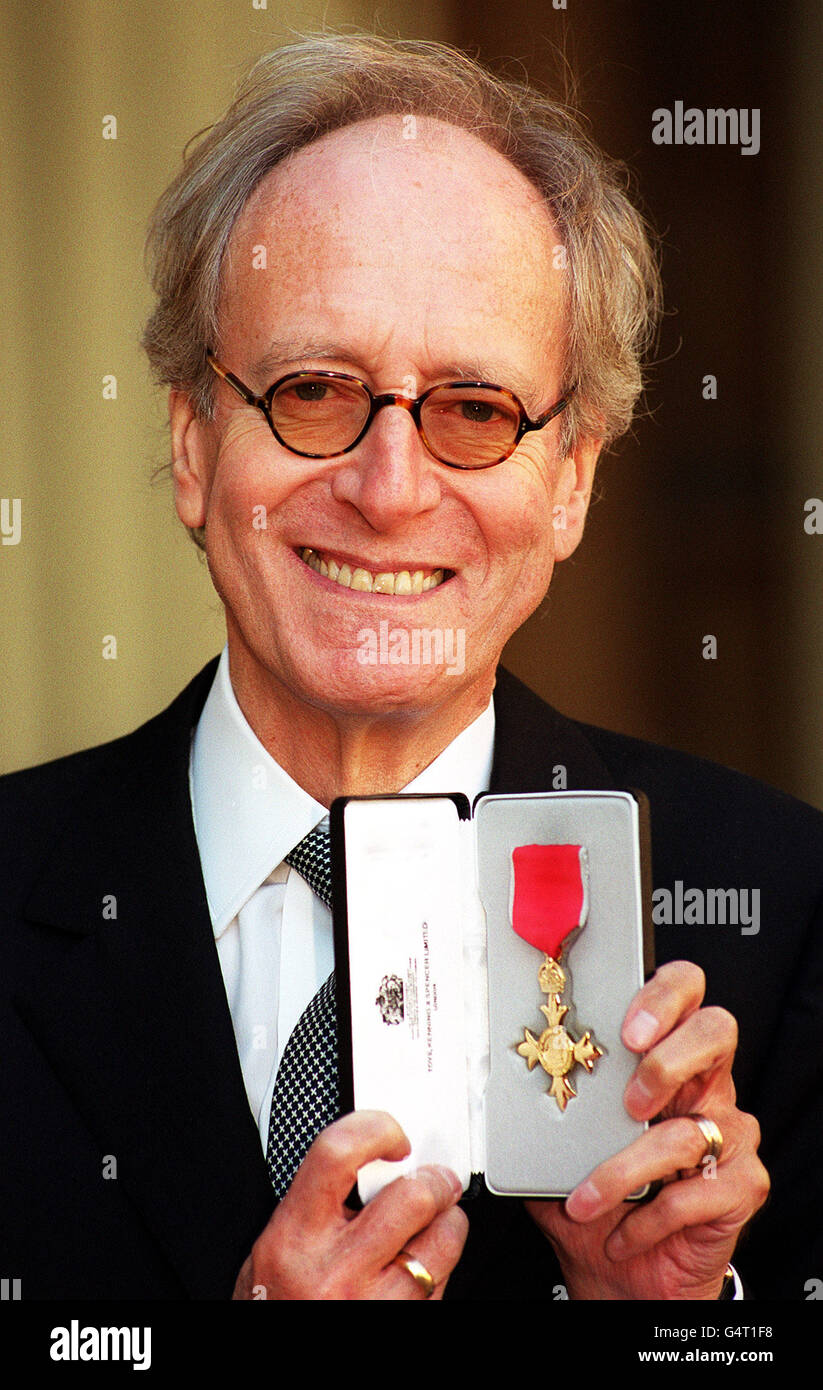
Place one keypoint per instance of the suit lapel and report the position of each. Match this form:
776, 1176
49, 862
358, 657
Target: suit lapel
135, 1020
538, 750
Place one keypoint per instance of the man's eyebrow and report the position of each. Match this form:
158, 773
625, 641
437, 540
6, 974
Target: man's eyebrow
283, 351
496, 373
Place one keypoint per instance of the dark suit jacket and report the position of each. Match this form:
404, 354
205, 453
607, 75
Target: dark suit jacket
131, 1164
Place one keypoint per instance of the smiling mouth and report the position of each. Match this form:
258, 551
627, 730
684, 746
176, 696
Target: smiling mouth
409, 581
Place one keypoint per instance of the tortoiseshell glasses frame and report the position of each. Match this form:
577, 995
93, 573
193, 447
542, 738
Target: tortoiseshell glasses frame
515, 420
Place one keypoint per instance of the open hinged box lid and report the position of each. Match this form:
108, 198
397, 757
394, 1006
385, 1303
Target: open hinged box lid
436, 990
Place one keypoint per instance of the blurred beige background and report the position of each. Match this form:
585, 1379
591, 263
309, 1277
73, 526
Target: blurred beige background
700, 530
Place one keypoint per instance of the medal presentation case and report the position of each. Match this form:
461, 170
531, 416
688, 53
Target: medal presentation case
485, 963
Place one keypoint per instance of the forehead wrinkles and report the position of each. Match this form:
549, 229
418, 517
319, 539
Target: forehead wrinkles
442, 211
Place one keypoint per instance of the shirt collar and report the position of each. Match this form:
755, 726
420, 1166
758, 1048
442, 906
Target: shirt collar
248, 812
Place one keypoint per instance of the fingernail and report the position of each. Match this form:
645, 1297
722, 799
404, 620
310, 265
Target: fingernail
617, 1245
640, 1030
636, 1096
448, 1176
584, 1203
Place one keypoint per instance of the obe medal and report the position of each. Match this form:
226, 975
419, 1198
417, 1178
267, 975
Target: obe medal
550, 901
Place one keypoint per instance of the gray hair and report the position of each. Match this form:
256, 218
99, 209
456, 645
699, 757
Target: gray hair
307, 89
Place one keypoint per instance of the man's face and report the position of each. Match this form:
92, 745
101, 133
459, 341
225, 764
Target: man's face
407, 254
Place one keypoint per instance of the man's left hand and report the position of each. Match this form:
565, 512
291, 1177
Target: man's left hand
678, 1245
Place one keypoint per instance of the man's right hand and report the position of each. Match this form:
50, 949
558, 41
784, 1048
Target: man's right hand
315, 1247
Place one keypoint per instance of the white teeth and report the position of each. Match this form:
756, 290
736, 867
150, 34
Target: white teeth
384, 582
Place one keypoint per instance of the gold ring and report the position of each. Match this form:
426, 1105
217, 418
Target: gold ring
712, 1135
418, 1272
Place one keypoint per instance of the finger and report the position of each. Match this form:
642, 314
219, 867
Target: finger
663, 1150
724, 1203
399, 1212
438, 1250
703, 1044
329, 1171
673, 992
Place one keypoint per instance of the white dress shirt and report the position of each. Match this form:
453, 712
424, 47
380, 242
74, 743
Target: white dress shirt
273, 934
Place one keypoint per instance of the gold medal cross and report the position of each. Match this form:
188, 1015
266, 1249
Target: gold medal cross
555, 1049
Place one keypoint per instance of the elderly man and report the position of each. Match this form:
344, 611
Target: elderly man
400, 307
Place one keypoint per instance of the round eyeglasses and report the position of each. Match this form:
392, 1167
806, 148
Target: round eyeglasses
464, 424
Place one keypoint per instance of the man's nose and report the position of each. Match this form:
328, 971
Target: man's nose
390, 477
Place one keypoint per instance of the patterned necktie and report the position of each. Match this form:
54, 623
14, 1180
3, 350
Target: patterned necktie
306, 1097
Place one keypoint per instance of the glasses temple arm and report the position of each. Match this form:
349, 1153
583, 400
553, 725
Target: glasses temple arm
555, 410
233, 381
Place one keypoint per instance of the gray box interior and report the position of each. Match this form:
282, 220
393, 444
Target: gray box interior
532, 1146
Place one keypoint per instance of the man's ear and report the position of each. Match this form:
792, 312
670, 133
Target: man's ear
190, 461
573, 494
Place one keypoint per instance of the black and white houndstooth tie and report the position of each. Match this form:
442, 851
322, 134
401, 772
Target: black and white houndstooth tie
306, 1096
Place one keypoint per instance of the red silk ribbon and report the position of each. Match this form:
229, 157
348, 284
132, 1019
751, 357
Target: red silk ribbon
550, 896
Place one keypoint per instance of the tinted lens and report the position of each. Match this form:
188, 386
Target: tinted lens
319, 415
472, 426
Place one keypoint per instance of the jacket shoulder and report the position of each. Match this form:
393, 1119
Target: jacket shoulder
36, 802
668, 776
686, 782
